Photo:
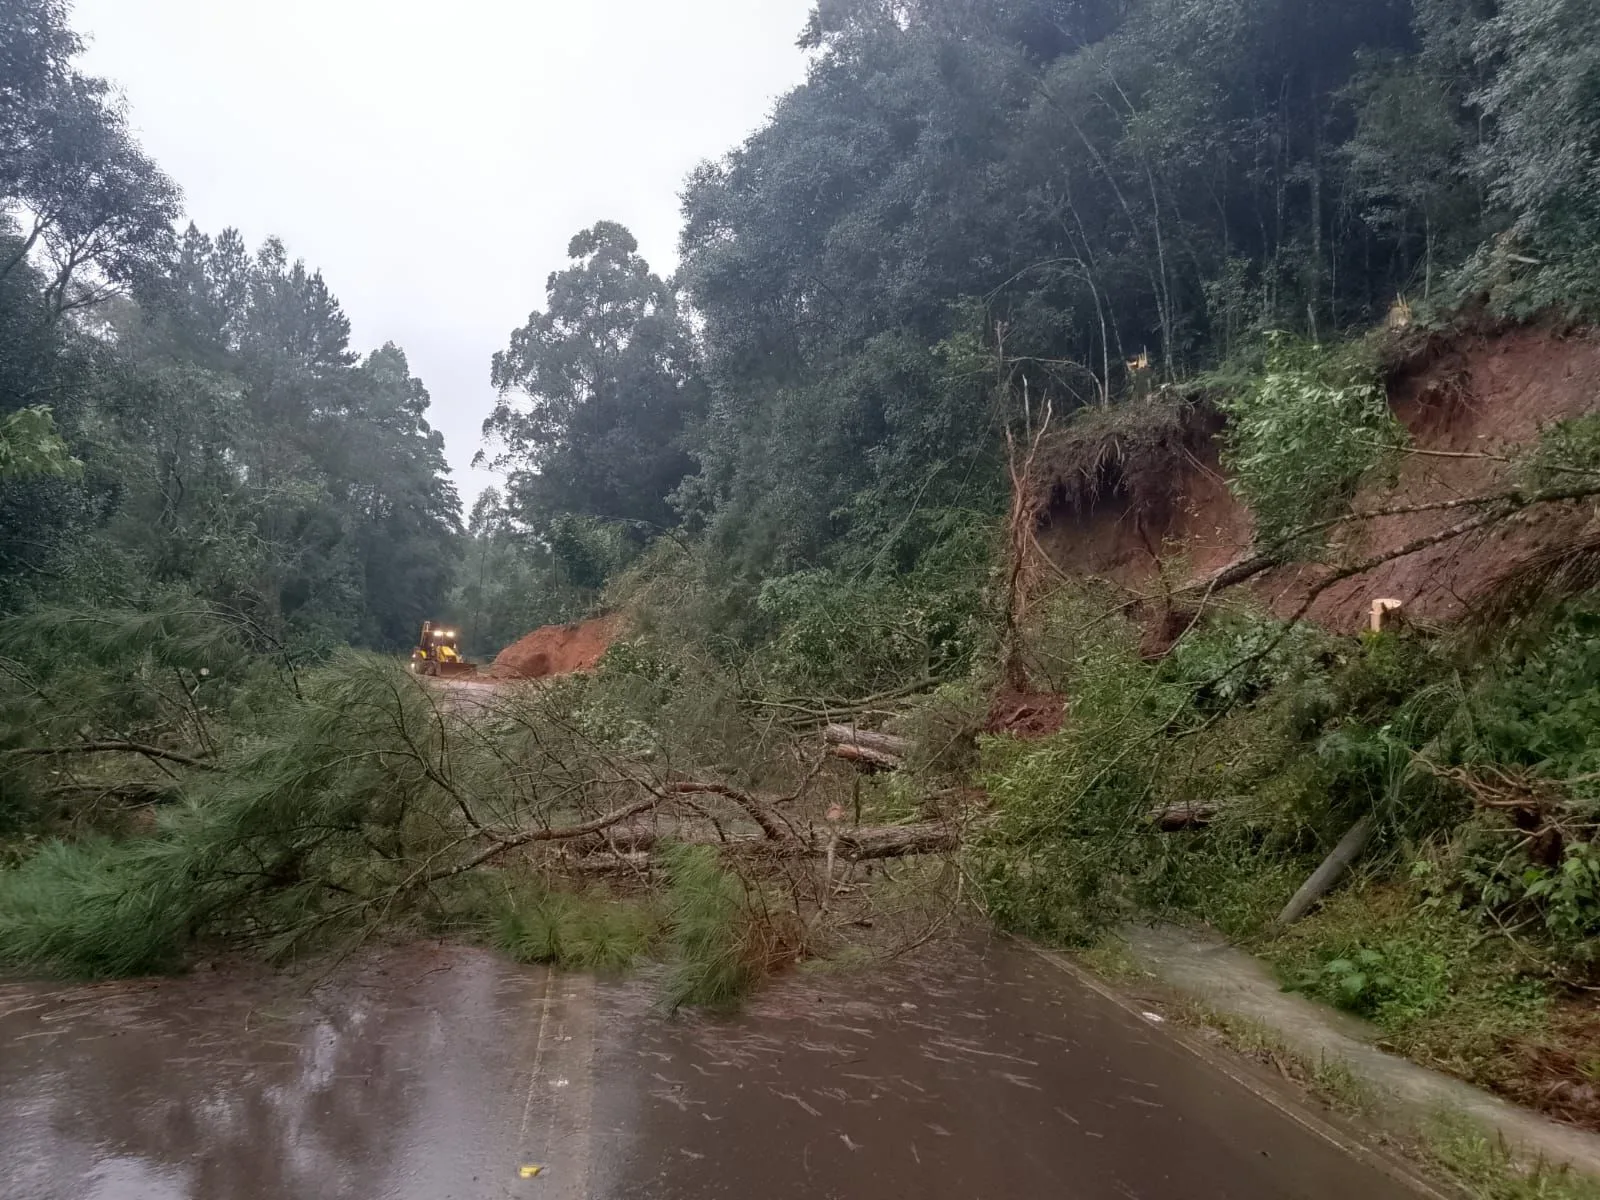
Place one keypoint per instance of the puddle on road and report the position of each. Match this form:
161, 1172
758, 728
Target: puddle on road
406, 1077
432, 1073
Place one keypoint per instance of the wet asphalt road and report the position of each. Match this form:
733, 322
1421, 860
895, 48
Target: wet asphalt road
981, 1073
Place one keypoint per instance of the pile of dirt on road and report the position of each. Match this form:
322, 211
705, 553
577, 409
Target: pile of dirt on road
557, 650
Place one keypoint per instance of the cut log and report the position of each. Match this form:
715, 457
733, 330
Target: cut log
874, 751
1182, 816
863, 844
849, 735
1329, 873
895, 841
867, 757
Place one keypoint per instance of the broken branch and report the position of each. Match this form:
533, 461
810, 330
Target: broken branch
115, 747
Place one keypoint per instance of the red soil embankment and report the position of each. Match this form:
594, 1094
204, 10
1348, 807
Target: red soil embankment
1460, 401
557, 650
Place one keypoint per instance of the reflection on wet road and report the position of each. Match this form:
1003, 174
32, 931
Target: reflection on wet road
430, 1074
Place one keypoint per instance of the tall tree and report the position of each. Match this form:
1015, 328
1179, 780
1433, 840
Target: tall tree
1542, 155
597, 391
84, 216
77, 192
1069, 188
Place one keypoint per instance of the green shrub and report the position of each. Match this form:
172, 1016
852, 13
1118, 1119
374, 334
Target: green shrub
1419, 967
1557, 902
1070, 831
841, 637
1235, 656
1301, 436
1404, 979
1541, 708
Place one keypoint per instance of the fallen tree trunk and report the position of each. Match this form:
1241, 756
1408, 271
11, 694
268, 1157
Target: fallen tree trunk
1329, 873
895, 841
862, 844
154, 753
771, 824
875, 751
849, 735
867, 757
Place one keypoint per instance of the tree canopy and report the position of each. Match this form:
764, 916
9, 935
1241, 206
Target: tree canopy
967, 212
597, 391
179, 415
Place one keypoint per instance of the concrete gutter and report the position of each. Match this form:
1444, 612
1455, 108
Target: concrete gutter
1407, 1097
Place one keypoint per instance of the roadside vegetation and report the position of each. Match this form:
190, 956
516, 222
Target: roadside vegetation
1205, 780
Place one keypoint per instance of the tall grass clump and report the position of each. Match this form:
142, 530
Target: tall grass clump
585, 933
715, 957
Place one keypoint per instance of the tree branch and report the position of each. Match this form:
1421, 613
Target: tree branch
566, 833
116, 747
1507, 503
759, 812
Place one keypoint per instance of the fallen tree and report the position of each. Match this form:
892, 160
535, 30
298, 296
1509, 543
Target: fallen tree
361, 796
845, 844
1495, 507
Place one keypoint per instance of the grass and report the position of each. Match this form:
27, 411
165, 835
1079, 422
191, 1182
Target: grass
1487, 1170
1441, 992
1111, 959
1481, 1165
1329, 1079
726, 932
584, 933
710, 932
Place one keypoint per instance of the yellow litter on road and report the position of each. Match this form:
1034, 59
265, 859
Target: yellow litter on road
528, 1172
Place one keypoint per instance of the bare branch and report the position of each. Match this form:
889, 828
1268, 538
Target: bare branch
114, 747
529, 837
763, 816
1505, 503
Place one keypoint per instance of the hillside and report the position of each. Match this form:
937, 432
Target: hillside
1469, 403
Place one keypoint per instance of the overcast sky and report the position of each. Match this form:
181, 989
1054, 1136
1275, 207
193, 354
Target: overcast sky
435, 159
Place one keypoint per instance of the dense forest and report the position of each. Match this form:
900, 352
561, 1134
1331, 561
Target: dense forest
1071, 199
970, 207
992, 256
184, 418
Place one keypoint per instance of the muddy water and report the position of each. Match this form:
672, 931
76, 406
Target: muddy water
980, 1074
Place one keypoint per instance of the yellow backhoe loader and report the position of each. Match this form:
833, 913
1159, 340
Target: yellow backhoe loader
438, 652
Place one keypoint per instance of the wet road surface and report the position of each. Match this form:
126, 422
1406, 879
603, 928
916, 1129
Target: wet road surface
433, 1073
